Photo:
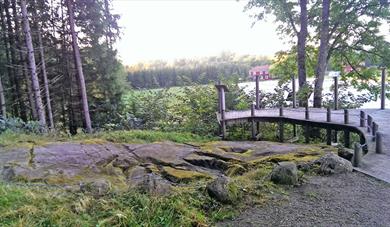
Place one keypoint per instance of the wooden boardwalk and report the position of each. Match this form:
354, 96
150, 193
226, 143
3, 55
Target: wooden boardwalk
374, 120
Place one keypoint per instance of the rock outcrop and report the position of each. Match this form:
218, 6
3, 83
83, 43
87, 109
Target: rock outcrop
154, 168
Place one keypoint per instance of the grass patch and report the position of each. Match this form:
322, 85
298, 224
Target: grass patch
13, 140
33, 206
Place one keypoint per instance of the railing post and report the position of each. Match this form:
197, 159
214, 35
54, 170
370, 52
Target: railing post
369, 123
281, 111
307, 112
379, 143
357, 155
223, 124
253, 121
362, 119
336, 92
374, 130
346, 116
257, 92
383, 88
281, 131
328, 130
307, 136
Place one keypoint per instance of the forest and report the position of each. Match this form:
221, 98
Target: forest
186, 72
58, 65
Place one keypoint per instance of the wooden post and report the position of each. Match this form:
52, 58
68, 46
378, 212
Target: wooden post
281, 131
335, 137
294, 130
346, 116
307, 136
362, 119
379, 143
294, 95
336, 92
223, 124
307, 111
294, 102
369, 123
257, 93
328, 130
281, 111
383, 88
347, 139
374, 130
357, 155
253, 122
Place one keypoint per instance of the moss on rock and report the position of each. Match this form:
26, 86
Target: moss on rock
179, 176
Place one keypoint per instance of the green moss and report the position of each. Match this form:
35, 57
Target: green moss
179, 175
235, 169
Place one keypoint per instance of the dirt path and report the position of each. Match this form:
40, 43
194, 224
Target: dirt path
344, 200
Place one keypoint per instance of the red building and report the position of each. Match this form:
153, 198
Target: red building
262, 71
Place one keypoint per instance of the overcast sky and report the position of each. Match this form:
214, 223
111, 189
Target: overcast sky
170, 29
183, 29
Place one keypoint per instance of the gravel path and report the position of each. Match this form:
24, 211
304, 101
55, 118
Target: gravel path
342, 200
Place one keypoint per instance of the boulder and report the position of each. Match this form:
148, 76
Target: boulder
345, 153
8, 173
224, 190
97, 188
333, 164
141, 179
285, 173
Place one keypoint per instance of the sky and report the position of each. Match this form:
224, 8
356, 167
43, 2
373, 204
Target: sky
171, 29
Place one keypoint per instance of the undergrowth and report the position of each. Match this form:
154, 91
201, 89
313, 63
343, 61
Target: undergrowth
12, 139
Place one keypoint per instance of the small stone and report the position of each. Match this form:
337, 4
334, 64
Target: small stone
223, 190
8, 173
333, 164
285, 173
141, 179
345, 153
97, 188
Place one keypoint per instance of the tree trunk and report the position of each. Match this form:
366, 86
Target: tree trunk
3, 110
45, 81
80, 74
3, 28
301, 46
30, 94
13, 75
32, 66
322, 54
22, 106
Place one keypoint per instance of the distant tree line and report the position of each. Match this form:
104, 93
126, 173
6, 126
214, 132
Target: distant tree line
183, 72
57, 63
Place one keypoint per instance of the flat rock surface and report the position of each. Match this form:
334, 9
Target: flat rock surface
351, 199
74, 162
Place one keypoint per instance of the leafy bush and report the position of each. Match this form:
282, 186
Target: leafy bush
18, 126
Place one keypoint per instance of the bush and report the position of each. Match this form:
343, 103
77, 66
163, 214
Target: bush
18, 126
